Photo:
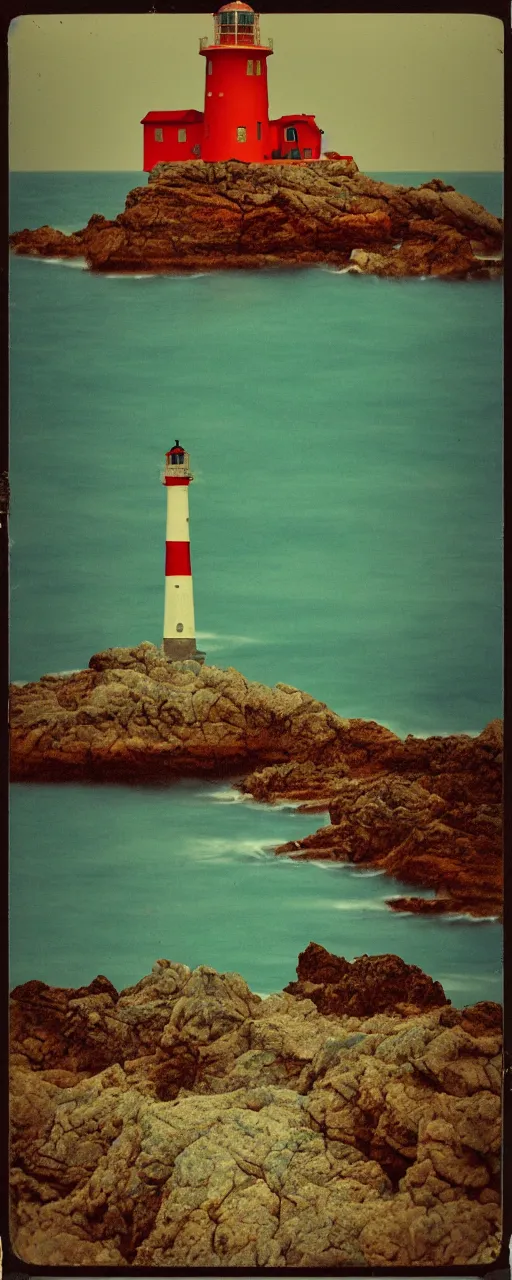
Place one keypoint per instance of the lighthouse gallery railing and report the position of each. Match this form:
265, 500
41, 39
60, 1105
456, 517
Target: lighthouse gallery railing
239, 36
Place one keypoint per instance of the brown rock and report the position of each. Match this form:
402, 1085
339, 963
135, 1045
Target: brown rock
427, 811
295, 1139
196, 216
368, 985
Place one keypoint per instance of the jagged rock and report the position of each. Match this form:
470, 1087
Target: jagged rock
370, 984
424, 810
295, 1139
196, 216
134, 713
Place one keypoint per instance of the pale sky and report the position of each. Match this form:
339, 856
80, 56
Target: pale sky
396, 91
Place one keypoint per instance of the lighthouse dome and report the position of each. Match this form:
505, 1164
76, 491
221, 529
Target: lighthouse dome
236, 7
236, 23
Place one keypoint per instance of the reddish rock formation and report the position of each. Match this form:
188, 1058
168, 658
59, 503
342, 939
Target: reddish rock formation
186, 1122
199, 217
425, 811
368, 985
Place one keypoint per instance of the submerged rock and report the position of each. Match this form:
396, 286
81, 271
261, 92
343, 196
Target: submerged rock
197, 216
186, 1122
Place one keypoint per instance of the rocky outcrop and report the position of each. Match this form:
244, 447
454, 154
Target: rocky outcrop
185, 1122
195, 216
425, 811
133, 713
368, 985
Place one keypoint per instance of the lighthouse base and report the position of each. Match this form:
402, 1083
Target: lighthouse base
182, 651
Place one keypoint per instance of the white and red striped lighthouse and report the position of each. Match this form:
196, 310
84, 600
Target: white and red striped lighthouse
179, 625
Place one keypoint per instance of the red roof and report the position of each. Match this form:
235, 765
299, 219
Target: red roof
237, 5
292, 119
172, 117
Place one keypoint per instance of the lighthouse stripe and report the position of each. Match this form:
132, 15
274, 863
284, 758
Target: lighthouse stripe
179, 609
177, 528
177, 559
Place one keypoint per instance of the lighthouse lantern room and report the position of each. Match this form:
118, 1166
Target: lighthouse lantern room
179, 641
235, 123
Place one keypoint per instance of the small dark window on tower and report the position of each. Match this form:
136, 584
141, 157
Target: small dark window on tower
250, 66
291, 134
182, 135
258, 129
241, 133
258, 68
159, 135
210, 66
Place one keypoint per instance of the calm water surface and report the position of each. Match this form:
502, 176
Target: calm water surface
108, 879
345, 436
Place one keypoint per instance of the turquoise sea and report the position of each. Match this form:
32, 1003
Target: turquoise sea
346, 438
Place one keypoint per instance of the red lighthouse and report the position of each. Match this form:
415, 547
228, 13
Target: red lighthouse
236, 124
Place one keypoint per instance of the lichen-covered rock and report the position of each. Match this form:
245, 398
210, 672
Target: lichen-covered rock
296, 1139
196, 216
133, 712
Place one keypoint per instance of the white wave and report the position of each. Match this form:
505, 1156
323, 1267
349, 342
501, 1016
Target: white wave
356, 904
444, 917
216, 849
229, 796
324, 864
447, 918
368, 875
129, 275
220, 641
79, 264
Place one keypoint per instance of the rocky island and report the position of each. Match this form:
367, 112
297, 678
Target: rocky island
425, 811
352, 1120
196, 216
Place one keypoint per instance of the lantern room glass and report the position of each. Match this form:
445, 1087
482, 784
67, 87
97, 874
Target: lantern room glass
234, 27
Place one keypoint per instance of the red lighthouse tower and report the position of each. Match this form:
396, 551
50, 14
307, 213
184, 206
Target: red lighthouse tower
236, 124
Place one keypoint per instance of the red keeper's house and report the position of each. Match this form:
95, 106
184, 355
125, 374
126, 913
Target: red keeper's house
235, 123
